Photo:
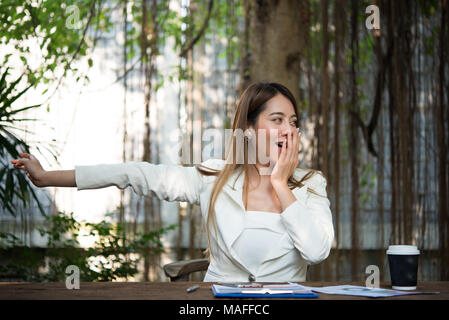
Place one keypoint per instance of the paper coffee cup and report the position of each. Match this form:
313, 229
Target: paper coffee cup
403, 261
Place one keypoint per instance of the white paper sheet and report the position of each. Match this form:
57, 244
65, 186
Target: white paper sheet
349, 290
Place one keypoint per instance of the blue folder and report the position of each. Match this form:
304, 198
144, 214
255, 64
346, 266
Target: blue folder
264, 296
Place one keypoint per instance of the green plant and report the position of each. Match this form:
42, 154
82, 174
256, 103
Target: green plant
58, 28
56, 33
12, 182
112, 256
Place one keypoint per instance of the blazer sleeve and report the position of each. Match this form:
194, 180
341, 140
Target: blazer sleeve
167, 182
308, 221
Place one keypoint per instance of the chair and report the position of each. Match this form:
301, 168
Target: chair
181, 270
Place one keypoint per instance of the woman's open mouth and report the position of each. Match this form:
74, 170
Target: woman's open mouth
280, 143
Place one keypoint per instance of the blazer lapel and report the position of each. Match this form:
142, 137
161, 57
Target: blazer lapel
234, 188
231, 215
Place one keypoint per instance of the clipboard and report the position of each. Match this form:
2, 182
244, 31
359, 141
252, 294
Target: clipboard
290, 290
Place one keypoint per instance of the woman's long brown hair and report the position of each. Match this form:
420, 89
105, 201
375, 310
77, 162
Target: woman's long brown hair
251, 103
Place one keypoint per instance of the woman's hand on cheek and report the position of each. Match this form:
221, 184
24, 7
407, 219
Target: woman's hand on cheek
288, 160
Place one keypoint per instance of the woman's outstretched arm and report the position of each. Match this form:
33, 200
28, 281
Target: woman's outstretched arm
41, 178
59, 178
167, 182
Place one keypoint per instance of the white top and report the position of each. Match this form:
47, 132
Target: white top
262, 231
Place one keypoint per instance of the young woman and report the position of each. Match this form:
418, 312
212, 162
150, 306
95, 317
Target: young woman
261, 227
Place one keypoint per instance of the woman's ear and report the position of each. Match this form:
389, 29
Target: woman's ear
251, 130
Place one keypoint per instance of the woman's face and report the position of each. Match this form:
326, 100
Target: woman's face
277, 120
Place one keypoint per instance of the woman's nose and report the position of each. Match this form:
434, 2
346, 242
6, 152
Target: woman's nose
286, 131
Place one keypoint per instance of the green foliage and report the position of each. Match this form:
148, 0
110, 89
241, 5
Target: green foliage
55, 32
368, 183
225, 24
12, 182
428, 7
113, 256
366, 49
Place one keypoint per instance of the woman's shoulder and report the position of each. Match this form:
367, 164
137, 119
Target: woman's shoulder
301, 172
209, 169
213, 164
312, 178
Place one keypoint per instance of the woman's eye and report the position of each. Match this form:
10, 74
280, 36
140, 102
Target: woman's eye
277, 119
293, 123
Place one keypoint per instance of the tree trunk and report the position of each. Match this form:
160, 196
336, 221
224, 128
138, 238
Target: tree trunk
245, 60
276, 41
325, 90
404, 109
152, 219
442, 136
354, 142
339, 18
125, 90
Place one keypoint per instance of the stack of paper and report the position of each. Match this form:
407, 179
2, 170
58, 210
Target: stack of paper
291, 290
349, 290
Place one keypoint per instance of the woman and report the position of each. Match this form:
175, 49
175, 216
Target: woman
265, 222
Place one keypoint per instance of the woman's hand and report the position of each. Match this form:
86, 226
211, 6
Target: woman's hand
288, 160
32, 167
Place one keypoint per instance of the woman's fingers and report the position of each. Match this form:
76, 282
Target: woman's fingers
296, 151
296, 143
290, 145
19, 163
283, 150
299, 138
292, 149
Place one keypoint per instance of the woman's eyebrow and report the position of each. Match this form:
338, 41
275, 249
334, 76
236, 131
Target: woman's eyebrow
281, 113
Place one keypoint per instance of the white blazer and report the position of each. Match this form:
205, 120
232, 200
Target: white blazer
308, 221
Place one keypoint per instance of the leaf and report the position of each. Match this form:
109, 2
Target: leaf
10, 88
3, 80
159, 85
5, 143
6, 202
23, 109
41, 209
23, 187
2, 172
9, 185
9, 102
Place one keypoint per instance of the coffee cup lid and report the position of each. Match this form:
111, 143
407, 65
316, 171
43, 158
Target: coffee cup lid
402, 249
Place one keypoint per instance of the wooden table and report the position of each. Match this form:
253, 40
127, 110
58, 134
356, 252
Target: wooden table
122, 300
175, 291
